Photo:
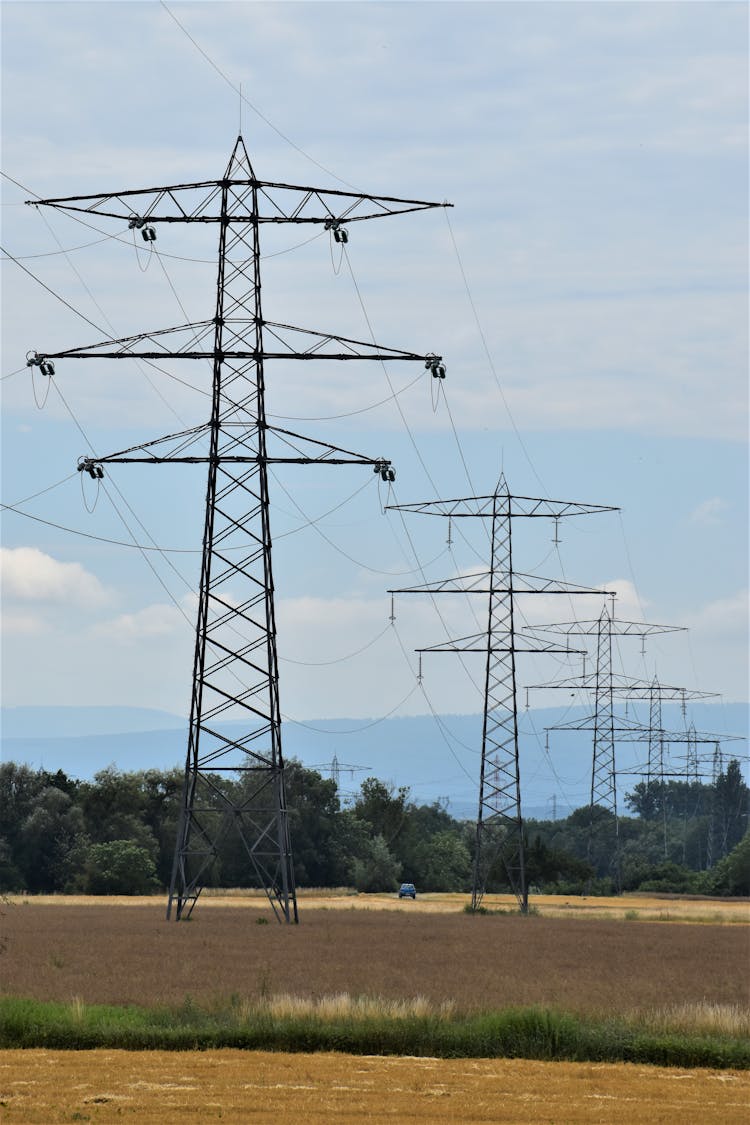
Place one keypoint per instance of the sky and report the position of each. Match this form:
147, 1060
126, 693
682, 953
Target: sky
588, 291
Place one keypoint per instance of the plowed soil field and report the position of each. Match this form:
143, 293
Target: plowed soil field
158, 1088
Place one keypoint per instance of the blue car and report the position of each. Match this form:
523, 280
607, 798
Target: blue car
407, 890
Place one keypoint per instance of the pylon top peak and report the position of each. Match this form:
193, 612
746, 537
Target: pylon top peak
239, 161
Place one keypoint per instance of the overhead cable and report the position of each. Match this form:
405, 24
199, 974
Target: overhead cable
254, 108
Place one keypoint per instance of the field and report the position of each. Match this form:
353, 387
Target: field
662, 964
112, 954
163, 1088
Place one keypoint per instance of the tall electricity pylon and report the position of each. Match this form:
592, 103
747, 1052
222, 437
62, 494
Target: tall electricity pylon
500, 831
235, 667
604, 684
716, 843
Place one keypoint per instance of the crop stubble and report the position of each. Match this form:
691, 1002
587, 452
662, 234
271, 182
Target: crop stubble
104, 954
150, 1087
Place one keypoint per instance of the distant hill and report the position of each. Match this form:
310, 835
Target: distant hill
438, 760
72, 722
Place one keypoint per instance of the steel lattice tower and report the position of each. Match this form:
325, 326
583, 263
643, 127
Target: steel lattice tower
603, 775
716, 843
655, 764
500, 829
235, 669
605, 685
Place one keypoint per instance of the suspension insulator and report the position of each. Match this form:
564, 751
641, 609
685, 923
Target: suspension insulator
93, 468
340, 235
47, 367
433, 364
135, 221
148, 234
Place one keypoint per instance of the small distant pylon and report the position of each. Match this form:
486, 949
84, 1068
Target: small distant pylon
605, 686
500, 827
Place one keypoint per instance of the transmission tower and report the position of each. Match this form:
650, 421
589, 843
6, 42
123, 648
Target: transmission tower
334, 767
604, 684
716, 845
235, 668
500, 831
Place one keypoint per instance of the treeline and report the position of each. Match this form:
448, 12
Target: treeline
116, 835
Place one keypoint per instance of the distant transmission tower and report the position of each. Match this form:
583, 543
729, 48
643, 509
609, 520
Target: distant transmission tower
605, 685
500, 831
716, 844
235, 670
334, 767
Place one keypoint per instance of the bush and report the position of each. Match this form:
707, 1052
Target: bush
731, 876
670, 878
120, 867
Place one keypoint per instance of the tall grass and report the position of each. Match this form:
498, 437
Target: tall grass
364, 1025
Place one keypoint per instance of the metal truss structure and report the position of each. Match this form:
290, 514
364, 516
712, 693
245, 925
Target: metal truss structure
235, 669
500, 829
605, 685
716, 844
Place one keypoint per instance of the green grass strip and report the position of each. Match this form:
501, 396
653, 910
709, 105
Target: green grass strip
528, 1033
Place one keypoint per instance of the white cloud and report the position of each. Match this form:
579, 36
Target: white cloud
709, 512
22, 624
725, 617
30, 575
154, 622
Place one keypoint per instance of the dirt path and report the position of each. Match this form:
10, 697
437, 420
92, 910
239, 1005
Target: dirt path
150, 1087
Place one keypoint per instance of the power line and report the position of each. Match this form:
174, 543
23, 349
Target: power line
247, 102
490, 361
45, 286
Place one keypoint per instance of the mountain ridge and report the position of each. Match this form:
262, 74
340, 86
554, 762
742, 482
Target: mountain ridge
436, 760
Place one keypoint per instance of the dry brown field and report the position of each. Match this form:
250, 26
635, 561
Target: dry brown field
102, 952
163, 1088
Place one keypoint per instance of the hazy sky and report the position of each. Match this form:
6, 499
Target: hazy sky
596, 157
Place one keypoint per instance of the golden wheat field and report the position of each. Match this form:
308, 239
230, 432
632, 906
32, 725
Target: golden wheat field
163, 1088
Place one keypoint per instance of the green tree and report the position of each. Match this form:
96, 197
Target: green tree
730, 808
377, 869
114, 806
443, 863
119, 867
383, 808
731, 876
46, 838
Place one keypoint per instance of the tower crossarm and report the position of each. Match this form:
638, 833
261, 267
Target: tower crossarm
201, 202
197, 341
642, 734
482, 584
478, 642
320, 453
621, 628
637, 733
484, 507
622, 686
